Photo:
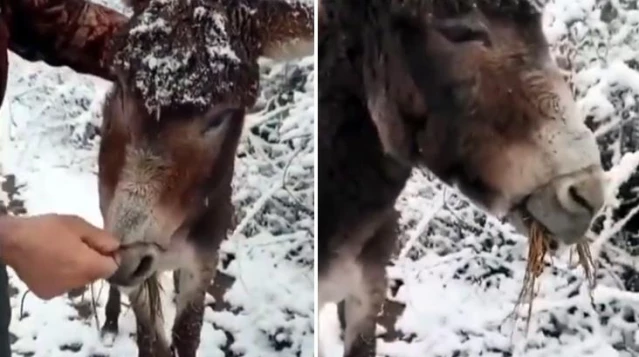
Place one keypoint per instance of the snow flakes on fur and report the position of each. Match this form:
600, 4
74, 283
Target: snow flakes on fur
185, 54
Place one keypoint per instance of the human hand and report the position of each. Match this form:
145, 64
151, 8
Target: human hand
55, 253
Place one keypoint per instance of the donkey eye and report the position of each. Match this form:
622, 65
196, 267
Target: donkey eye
464, 30
216, 120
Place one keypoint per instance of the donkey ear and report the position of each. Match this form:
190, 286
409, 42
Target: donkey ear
388, 86
285, 29
393, 133
422, 77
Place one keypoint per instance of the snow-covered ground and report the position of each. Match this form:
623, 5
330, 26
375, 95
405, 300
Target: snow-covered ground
458, 273
50, 120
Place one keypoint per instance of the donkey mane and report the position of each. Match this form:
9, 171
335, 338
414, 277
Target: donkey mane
187, 53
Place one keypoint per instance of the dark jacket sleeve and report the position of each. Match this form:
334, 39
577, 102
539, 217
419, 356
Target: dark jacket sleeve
73, 33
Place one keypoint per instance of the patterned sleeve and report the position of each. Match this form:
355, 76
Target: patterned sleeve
73, 33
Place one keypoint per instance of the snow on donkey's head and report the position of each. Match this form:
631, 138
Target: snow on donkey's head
186, 72
473, 93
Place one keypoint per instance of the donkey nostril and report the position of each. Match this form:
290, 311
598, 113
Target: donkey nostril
143, 267
580, 200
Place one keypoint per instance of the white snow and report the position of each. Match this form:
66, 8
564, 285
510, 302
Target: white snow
49, 147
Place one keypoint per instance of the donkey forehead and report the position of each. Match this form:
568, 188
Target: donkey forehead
185, 53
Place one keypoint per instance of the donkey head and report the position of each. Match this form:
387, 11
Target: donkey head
471, 92
186, 72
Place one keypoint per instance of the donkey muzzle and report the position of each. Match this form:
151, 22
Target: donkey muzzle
137, 263
566, 206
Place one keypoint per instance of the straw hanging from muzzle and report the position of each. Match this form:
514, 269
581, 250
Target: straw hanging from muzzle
539, 245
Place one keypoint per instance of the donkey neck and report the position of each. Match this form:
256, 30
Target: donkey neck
357, 180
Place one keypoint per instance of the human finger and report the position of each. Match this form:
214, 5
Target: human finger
99, 267
98, 239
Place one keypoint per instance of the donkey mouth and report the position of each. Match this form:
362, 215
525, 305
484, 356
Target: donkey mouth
572, 232
522, 219
138, 262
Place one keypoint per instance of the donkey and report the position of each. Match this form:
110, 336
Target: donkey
467, 89
186, 72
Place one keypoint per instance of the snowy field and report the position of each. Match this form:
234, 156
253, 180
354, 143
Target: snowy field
457, 274
262, 304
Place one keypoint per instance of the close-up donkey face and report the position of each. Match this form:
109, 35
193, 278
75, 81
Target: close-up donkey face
187, 71
478, 100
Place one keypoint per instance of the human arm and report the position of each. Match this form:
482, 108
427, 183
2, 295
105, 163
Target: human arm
54, 253
74, 33
6, 226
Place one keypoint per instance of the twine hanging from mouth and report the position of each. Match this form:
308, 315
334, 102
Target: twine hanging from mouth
540, 240
151, 286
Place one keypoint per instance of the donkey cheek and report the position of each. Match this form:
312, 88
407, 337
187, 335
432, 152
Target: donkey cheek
180, 253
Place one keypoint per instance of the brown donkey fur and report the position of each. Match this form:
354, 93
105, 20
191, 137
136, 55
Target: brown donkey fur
186, 73
465, 88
